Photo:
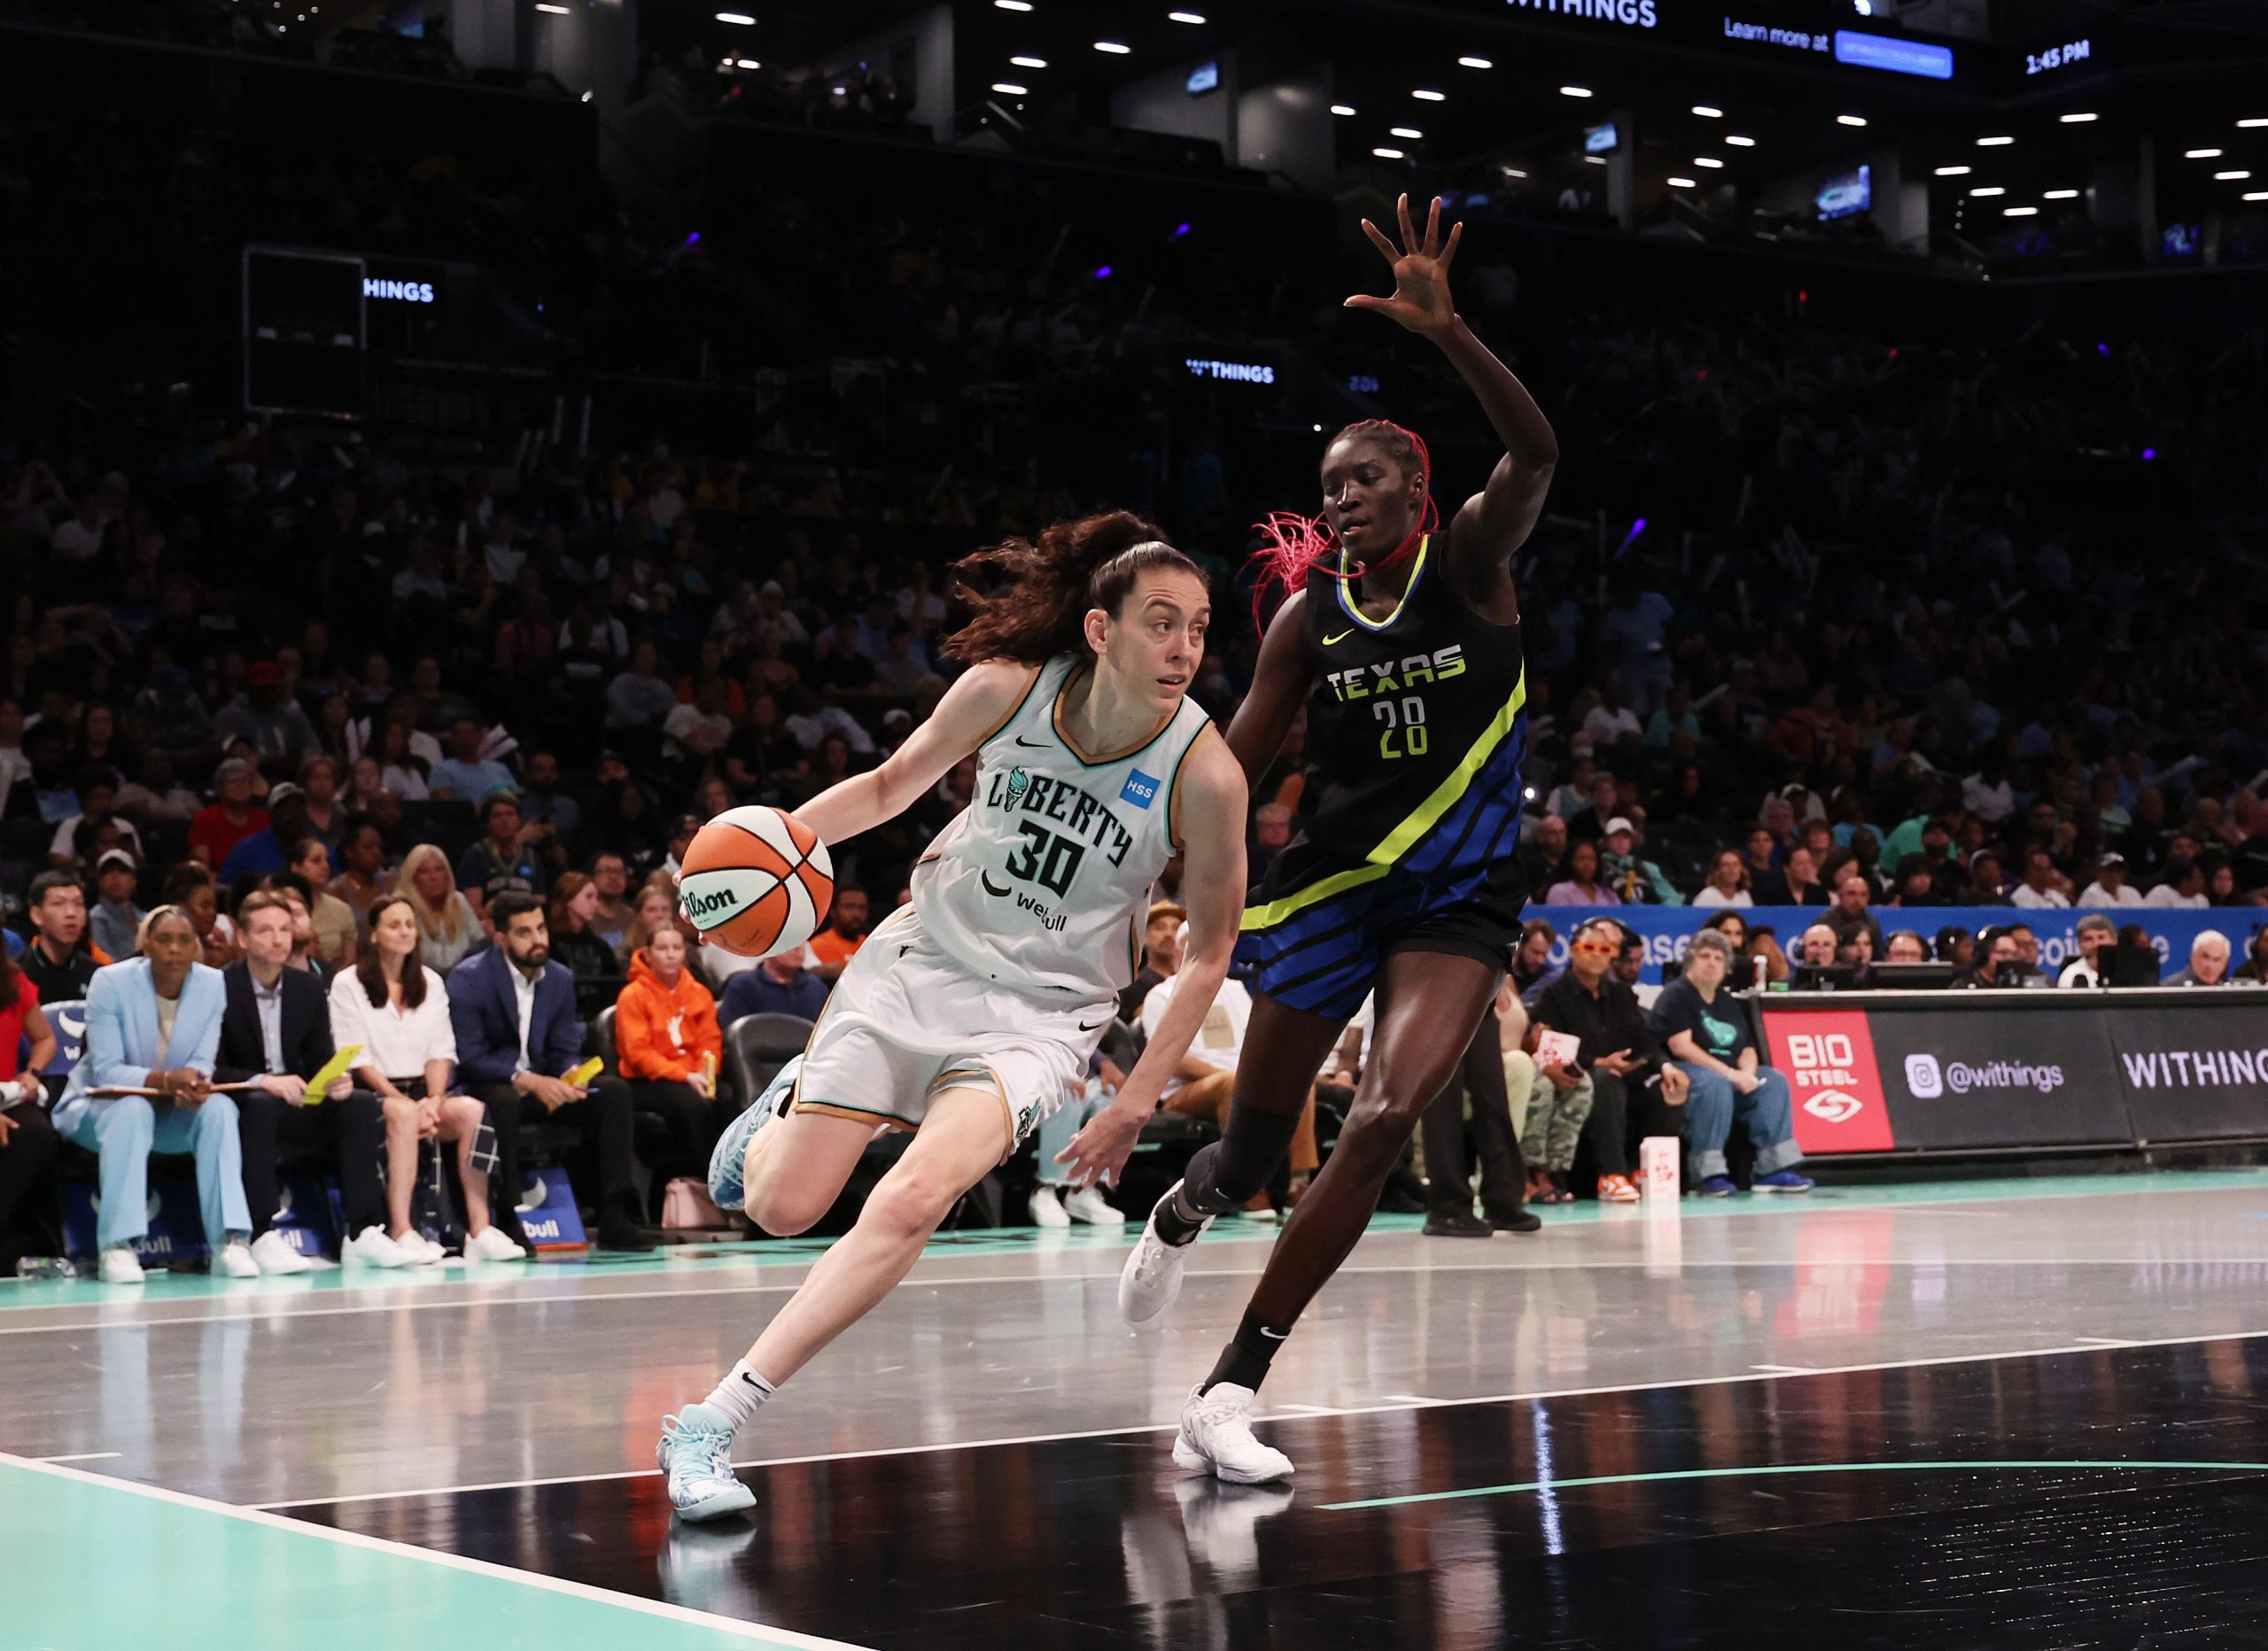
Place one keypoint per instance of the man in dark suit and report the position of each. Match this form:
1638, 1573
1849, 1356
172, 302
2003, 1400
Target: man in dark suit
513, 1012
276, 1034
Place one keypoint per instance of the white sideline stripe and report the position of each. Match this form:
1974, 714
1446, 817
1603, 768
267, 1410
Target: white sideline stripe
578, 1298
431, 1556
1785, 1370
1396, 1401
85, 1455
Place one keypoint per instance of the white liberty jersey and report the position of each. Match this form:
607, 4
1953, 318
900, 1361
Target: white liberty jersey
1043, 883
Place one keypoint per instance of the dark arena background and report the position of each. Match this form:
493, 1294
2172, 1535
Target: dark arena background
452, 450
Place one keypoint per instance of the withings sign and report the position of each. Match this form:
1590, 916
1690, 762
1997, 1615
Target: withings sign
398, 291
1629, 13
1234, 372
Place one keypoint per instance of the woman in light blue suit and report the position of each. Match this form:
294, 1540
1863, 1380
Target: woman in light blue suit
153, 1022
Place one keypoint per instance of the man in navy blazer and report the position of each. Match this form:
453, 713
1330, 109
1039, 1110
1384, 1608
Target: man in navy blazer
518, 1038
275, 1035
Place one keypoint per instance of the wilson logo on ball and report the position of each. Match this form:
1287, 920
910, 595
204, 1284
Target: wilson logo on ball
698, 905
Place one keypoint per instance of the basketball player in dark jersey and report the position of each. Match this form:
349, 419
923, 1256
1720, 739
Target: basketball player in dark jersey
1402, 639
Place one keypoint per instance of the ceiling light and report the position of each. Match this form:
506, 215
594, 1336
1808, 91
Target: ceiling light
1954, 172
2080, 118
1427, 95
1738, 142
1184, 17
748, 63
1117, 49
1475, 63
1682, 183
2229, 177
1850, 120
1593, 160
1708, 111
1388, 154
1575, 91
740, 18
2258, 120
2059, 195
2020, 211
1994, 142
1013, 5
1989, 188
2200, 154
1029, 63
2257, 195
1009, 89
556, 11
1342, 108
1405, 131
1710, 161
1511, 171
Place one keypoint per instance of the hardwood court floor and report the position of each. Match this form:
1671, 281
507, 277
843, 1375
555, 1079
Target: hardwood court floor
1998, 1414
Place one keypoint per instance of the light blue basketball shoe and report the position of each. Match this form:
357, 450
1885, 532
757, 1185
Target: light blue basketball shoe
725, 1163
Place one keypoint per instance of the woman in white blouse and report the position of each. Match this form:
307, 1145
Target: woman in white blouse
397, 1010
447, 928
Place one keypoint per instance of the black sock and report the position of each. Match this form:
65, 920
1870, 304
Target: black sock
1244, 1361
1176, 1222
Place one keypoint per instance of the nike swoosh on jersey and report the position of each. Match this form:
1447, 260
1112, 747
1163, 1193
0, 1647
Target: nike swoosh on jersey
1032, 745
1342, 636
1098, 1026
985, 878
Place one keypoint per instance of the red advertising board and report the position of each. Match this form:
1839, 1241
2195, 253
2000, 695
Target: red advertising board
1829, 1057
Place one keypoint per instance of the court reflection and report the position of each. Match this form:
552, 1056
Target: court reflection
1697, 1534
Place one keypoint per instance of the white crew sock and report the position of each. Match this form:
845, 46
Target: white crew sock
739, 1394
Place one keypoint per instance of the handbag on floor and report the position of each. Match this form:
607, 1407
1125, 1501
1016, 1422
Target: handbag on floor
686, 1203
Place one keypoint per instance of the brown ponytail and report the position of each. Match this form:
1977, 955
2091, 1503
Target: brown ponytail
1032, 600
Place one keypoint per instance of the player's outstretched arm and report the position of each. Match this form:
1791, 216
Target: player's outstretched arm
1495, 522
1212, 887
983, 698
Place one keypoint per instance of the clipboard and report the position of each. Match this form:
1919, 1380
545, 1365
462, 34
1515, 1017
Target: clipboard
119, 1091
336, 1067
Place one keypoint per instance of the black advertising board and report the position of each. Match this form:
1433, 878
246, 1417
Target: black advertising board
2195, 1071
1999, 1076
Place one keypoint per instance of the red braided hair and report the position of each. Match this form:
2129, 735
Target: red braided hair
1292, 545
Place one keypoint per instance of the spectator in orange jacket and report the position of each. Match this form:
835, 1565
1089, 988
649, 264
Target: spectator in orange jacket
666, 1040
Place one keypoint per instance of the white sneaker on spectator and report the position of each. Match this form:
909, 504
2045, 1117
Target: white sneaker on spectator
490, 1245
1151, 1281
235, 1260
1047, 1207
371, 1247
1216, 1438
422, 1251
1089, 1206
121, 1265
274, 1252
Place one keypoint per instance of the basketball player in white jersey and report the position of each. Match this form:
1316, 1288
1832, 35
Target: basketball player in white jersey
969, 1014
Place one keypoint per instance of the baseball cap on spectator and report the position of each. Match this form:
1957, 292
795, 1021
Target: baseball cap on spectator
1618, 823
2113, 863
282, 789
264, 674
898, 716
115, 856
1165, 909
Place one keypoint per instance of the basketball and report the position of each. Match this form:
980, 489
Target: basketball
756, 881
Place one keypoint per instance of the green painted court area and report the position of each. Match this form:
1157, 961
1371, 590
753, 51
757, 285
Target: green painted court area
185, 1575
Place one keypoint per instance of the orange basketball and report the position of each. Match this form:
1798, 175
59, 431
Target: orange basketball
756, 881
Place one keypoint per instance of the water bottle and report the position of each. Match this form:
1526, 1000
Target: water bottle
46, 1267
1762, 972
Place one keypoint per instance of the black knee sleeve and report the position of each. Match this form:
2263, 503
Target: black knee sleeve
1224, 1176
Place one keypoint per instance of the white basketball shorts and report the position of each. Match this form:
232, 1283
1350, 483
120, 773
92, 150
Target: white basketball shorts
906, 1022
